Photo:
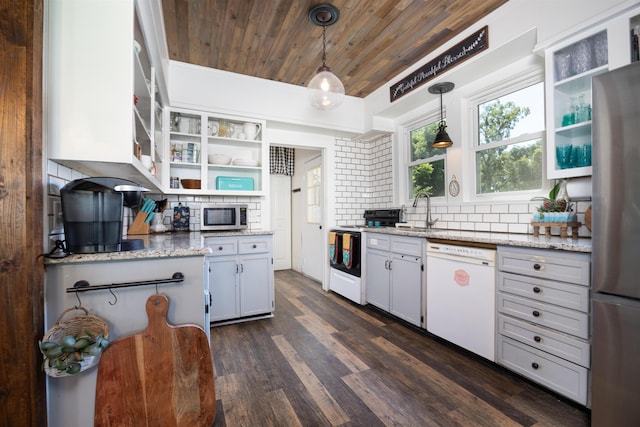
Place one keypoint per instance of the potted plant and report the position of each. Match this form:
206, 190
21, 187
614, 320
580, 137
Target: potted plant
556, 207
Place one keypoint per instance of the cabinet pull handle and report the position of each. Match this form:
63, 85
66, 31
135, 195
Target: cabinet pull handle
536, 313
390, 262
241, 268
237, 268
537, 338
537, 267
534, 365
537, 290
386, 265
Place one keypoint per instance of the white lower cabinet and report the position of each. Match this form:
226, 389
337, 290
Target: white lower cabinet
544, 318
240, 276
394, 275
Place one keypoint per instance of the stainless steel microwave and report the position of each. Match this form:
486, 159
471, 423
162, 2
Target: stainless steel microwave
223, 217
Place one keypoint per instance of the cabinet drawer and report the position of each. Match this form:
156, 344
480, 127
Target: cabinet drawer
253, 246
562, 319
564, 346
558, 374
378, 241
407, 245
222, 246
546, 264
558, 293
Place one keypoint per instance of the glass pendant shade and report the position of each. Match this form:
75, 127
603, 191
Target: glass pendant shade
442, 140
326, 91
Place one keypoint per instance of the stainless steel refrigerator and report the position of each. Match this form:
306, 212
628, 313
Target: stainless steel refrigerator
615, 385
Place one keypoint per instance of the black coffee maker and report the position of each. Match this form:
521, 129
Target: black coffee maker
92, 212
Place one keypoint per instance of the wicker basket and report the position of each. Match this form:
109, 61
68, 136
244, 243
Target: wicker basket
78, 326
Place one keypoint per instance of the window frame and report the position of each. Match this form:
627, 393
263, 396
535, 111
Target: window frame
507, 85
407, 128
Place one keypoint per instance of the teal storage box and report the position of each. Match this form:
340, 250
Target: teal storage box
234, 183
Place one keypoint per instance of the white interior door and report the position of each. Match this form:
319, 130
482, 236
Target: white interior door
281, 221
312, 224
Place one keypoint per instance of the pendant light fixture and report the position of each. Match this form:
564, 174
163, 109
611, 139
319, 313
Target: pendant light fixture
325, 89
443, 140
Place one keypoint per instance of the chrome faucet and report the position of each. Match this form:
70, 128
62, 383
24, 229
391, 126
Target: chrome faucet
421, 194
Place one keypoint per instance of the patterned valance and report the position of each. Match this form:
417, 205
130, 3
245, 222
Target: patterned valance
282, 160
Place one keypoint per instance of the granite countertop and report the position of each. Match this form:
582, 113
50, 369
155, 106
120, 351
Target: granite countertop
161, 245
183, 244
509, 239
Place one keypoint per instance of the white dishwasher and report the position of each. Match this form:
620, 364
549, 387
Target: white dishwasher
460, 293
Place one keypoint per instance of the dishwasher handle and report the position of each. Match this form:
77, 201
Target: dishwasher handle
462, 259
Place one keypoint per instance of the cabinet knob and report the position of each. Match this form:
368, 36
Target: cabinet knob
537, 267
537, 338
255, 246
536, 313
537, 290
219, 248
534, 365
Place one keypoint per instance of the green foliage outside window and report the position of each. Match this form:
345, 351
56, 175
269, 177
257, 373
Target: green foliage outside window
428, 175
513, 167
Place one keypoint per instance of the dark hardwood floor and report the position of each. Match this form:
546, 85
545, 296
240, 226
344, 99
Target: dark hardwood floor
324, 361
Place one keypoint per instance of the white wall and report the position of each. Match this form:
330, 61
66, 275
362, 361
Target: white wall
208, 89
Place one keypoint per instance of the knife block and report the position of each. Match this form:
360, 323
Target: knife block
139, 226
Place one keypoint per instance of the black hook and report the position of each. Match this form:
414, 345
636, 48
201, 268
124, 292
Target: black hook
78, 298
114, 296
77, 286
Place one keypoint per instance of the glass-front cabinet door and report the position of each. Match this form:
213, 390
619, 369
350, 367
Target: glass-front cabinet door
215, 154
569, 67
569, 90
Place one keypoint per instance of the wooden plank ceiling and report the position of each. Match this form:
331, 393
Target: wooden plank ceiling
372, 42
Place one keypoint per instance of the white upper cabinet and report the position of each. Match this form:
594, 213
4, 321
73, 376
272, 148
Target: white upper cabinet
569, 67
228, 154
103, 111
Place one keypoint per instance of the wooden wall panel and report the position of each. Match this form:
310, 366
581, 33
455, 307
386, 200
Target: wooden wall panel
22, 393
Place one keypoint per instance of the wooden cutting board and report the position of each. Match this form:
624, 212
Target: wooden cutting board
162, 376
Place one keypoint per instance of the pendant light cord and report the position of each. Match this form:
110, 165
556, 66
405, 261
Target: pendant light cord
324, 47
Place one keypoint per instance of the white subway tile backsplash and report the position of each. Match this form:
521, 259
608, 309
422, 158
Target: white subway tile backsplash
509, 218
483, 209
525, 218
499, 208
454, 209
483, 226
519, 228
519, 208
499, 228
491, 218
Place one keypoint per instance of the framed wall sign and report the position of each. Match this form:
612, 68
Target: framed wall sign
472, 45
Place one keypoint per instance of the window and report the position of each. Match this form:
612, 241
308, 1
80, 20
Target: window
314, 192
509, 141
426, 164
